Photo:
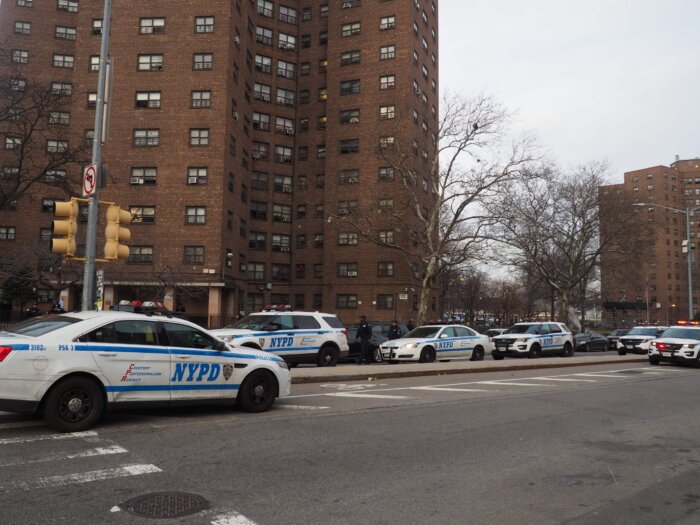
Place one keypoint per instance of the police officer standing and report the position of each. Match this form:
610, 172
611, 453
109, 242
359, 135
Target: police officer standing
394, 330
364, 334
410, 325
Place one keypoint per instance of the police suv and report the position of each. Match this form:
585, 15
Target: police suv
444, 342
638, 338
298, 337
534, 340
679, 345
72, 366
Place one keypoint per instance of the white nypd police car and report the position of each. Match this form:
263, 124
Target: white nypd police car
430, 342
72, 366
534, 340
679, 345
298, 337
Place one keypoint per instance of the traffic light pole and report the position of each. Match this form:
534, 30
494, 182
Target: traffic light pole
88, 302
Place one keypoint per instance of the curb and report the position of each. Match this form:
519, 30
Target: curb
380, 374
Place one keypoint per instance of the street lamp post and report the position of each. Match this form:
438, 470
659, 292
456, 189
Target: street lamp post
688, 213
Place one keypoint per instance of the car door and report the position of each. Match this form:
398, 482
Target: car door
198, 367
556, 338
281, 340
446, 343
128, 352
464, 344
308, 334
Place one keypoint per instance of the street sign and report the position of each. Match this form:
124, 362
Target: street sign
89, 180
403, 296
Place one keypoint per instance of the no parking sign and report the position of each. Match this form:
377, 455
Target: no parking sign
89, 180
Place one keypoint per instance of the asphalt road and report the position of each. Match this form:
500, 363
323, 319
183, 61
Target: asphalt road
586, 445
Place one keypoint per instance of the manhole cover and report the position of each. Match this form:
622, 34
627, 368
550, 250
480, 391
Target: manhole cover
164, 505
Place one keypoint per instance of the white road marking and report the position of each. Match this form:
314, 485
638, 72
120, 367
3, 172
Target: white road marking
562, 379
511, 384
232, 519
594, 374
100, 451
48, 437
22, 424
368, 396
301, 407
81, 477
115, 509
448, 389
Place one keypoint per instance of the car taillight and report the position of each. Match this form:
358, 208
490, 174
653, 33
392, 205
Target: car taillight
4, 352
345, 332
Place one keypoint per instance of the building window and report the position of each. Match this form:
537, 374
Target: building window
349, 87
7, 233
348, 207
386, 173
323, 38
24, 3
148, 99
387, 142
56, 146
143, 176
385, 301
386, 205
195, 215
346, 301
386, 236
199, 137
287, 42
350, 116
387, 22
64, 61
350, 29
194, 254
285, 97
263, 35
146, 138
140, 255
258, 210
68, 5
152, 26
256, 271
284, 155
94, 63
385, 269
350, 57
284, 126
346, 270
257, 241
281, 243
283, 184
387, 52
202, 61
288, 14
387, 82
65, 33
143, 214
347, 238
265, 8
200, 99
204, 24
261, 92
197, 175
387, 112
349, 146
18, 84
59, 117
91, 100
61, 88
97, 26
306, 14
12, 142
23, 28
281, 213
258, 180
150, 62
263, 63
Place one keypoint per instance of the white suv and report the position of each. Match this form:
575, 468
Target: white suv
297, 337
638, 338
534, 340
679, 345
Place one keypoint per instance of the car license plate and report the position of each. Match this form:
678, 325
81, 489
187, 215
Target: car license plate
630, 346
666, 352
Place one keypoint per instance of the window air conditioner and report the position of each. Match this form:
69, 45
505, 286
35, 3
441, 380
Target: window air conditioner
352, 274
135, 180
352, 180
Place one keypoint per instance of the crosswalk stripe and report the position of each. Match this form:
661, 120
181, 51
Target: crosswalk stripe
81, 477
562, 379
99, 451
48, 437
368, 396
301, 407
448, 389
594, 374
511, 384
233, 518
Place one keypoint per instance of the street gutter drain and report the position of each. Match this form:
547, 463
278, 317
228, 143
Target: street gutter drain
165, 505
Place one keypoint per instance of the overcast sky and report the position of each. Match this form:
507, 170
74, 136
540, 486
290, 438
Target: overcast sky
598, 79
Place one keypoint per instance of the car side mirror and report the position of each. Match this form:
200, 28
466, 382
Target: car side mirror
444, 336
220, 346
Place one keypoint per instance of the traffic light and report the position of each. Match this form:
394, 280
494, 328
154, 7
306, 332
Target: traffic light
116, 234
65, 226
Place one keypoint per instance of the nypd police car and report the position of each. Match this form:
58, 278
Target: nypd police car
73, 366
534, 340
430, 342
298, 337
638, 338
679, 345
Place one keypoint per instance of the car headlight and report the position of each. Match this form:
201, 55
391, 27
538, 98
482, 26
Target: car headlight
409, 346
282, 364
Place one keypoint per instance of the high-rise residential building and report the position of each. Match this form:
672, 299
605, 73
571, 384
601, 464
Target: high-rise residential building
647, 281
248, 139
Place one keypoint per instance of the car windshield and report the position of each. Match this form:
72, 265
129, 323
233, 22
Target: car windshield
254, 322
424, 331
583, 336
682, 333
619, 332
38, 326
643, 330
523, 329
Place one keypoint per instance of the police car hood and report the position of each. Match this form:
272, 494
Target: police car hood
238, 332
512, 337
636, 337
677, 341
409, 340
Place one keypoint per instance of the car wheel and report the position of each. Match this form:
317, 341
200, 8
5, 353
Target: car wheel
427, 355
498, 357
327, 356
378, 356
568, 350
74, 404
535, 352
621, 352
654, 360
258, 391
478, 354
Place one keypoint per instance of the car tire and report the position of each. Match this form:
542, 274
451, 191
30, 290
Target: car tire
377, 356
327, 356
586, 347
535, 352
427, 355
654, 360
497, 357
477, 354
258, 391
621, 352
74, 404
567, 351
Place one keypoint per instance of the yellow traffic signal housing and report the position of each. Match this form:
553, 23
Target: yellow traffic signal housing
115, 234
65, 227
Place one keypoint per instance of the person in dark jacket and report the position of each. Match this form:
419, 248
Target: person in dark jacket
364, 334
410, 325
394, 330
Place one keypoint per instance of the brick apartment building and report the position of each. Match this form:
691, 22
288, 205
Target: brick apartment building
244, 138
650, 285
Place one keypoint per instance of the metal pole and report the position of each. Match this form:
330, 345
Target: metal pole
691, 314
89, 273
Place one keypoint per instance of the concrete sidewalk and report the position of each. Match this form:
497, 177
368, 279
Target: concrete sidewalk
353, 372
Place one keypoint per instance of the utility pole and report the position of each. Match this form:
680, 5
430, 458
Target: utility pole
88, 302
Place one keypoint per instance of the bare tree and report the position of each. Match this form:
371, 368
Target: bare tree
554, 228
35, 125
441, 222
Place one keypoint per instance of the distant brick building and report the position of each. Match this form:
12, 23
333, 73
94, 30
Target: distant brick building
239, 130
651, 285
